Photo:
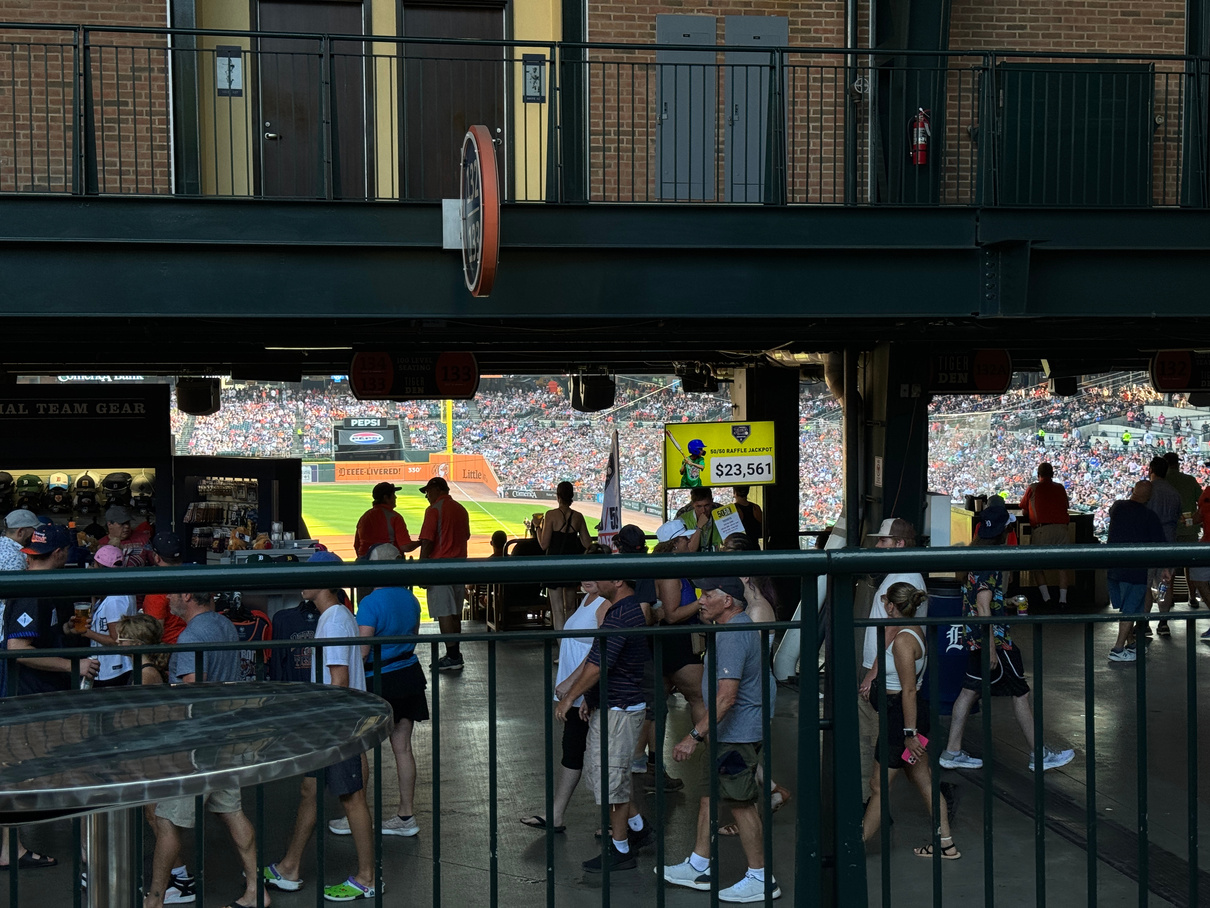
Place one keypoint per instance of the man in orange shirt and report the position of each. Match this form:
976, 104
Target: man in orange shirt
382, 523
1045, 505
166, 551
444, 533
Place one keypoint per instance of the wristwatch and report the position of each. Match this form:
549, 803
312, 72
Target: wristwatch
909, 732
693, 733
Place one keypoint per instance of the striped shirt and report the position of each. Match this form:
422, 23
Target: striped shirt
624, 656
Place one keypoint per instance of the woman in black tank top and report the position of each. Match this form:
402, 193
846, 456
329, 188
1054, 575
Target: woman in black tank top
563, 532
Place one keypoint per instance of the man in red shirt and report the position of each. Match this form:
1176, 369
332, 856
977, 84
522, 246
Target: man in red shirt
166, 551
444, 533
381, 523
1045, 505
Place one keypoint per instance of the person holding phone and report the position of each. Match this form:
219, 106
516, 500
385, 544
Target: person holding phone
907, 718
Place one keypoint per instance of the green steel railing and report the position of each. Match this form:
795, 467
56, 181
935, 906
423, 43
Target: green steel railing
829, 859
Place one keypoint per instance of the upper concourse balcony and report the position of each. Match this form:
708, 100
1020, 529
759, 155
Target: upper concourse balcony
200, 113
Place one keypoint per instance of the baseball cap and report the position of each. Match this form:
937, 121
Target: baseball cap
630, 539
118, 514
167, 544
671, 530
59, 481
325, 558
259, 558
385, 552
21, 518
895, 528
48, 538
109, 556
732, 586
435, 483
385, 490
287, 558
994, 518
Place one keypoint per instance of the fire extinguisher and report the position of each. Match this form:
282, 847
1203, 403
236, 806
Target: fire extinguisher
918, 145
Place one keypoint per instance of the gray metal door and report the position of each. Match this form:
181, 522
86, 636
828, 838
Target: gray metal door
686, 109
747, 77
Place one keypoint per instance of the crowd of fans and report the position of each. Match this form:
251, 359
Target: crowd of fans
533, 439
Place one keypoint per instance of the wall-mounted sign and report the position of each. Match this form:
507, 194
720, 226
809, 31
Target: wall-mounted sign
229, 71
970, 372
480, 201
718, 454
533, 78
414, 376
1180, 370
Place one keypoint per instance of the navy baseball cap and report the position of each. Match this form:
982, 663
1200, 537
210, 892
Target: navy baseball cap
48, 538
168, 545
322, 557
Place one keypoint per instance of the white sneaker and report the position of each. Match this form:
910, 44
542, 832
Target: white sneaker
1123, 655
959, 759
749, 889
340, 827
1053, 759
684, 874
396, 825
175, 896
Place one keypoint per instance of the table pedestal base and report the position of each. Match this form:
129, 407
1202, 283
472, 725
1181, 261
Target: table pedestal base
109, 851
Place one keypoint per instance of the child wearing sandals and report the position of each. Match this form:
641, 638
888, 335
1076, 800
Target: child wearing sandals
907, 719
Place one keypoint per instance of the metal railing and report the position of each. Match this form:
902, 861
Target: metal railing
828, 864
196, 112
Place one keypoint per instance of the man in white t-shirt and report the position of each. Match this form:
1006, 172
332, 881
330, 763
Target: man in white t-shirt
342, 667
895, 533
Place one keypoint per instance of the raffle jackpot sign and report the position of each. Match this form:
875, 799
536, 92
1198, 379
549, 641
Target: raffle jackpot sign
718, 454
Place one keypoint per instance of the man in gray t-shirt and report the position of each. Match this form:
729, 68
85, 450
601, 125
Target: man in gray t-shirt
738, 704
205, 626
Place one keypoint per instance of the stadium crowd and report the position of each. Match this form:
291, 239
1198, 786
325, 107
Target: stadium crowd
532, 437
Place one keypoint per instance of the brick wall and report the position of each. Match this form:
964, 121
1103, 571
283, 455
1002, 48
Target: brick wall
623, 86
38, 89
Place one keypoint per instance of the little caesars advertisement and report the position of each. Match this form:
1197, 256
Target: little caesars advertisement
718, 454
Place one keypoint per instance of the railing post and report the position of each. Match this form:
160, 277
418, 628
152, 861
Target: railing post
1195, 134
553, 161
775, 137
573, 149
989, 134
846, 750
85, 181
327, 114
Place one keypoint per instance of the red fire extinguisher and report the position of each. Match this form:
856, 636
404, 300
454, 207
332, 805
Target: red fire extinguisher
918, 147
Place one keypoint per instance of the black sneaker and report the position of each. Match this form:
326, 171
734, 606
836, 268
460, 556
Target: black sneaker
617, 861
670, 784
642, 838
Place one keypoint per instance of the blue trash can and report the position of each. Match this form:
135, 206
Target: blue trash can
948, 651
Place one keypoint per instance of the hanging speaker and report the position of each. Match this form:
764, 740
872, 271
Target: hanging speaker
699, 383
198, 396
590, 393
1064, 386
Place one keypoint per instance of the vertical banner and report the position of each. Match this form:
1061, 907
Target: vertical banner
611, 503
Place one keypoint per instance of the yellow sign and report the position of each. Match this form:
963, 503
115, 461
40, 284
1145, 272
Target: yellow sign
718, 454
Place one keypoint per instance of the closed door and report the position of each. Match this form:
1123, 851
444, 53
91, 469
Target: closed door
686, 110
291, 94
747, 88
448, 88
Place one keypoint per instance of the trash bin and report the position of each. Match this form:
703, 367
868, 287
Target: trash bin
949, 653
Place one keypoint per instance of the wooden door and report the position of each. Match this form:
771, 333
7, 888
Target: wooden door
447, 89
290, 100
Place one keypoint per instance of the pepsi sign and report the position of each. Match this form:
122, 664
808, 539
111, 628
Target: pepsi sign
366, 438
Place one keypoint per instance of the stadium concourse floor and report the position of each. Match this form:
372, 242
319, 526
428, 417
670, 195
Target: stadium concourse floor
465, 796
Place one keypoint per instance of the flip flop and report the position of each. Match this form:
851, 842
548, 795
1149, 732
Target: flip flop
537, 822
949, 852
779, 797
31, 860
729, 829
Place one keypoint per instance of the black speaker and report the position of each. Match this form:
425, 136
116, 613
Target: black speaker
590, 393
198, 396
1199, 399
699, 383
1064, 386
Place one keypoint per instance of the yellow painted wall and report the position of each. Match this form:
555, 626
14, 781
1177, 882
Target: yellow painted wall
384, 89
533, 20
226, 123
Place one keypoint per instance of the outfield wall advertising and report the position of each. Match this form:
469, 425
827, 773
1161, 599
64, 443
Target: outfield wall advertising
459, 468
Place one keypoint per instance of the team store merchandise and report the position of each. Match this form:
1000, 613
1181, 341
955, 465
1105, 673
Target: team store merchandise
78, 497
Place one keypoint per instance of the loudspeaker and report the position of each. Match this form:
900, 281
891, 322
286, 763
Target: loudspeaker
698, 383
590, 393
1064, 386
198, 396
1199, 399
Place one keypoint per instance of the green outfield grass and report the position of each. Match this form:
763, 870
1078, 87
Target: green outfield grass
333, 509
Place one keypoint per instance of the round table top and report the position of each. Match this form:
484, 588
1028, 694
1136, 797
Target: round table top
79, 751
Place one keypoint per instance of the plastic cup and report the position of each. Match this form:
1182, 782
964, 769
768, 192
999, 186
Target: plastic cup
82, 617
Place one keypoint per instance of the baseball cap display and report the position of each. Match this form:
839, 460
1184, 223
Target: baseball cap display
29, 484
6, 483
117, 486
732, 586
58, 481
48, 538
86, 482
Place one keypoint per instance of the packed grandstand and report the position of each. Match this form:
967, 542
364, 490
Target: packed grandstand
533, 439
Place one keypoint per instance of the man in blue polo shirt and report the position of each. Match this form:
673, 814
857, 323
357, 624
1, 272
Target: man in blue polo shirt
625, 707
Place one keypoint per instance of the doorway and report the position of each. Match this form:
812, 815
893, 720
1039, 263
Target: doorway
290, 100
448, 88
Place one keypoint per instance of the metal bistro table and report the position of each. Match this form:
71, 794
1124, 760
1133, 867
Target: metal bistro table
107, 752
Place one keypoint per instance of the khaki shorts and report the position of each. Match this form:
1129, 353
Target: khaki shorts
736, 768
624, 729
1049, 534
179, 811
445, 601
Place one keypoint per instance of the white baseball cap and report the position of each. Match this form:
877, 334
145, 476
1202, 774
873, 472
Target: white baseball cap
671, 530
